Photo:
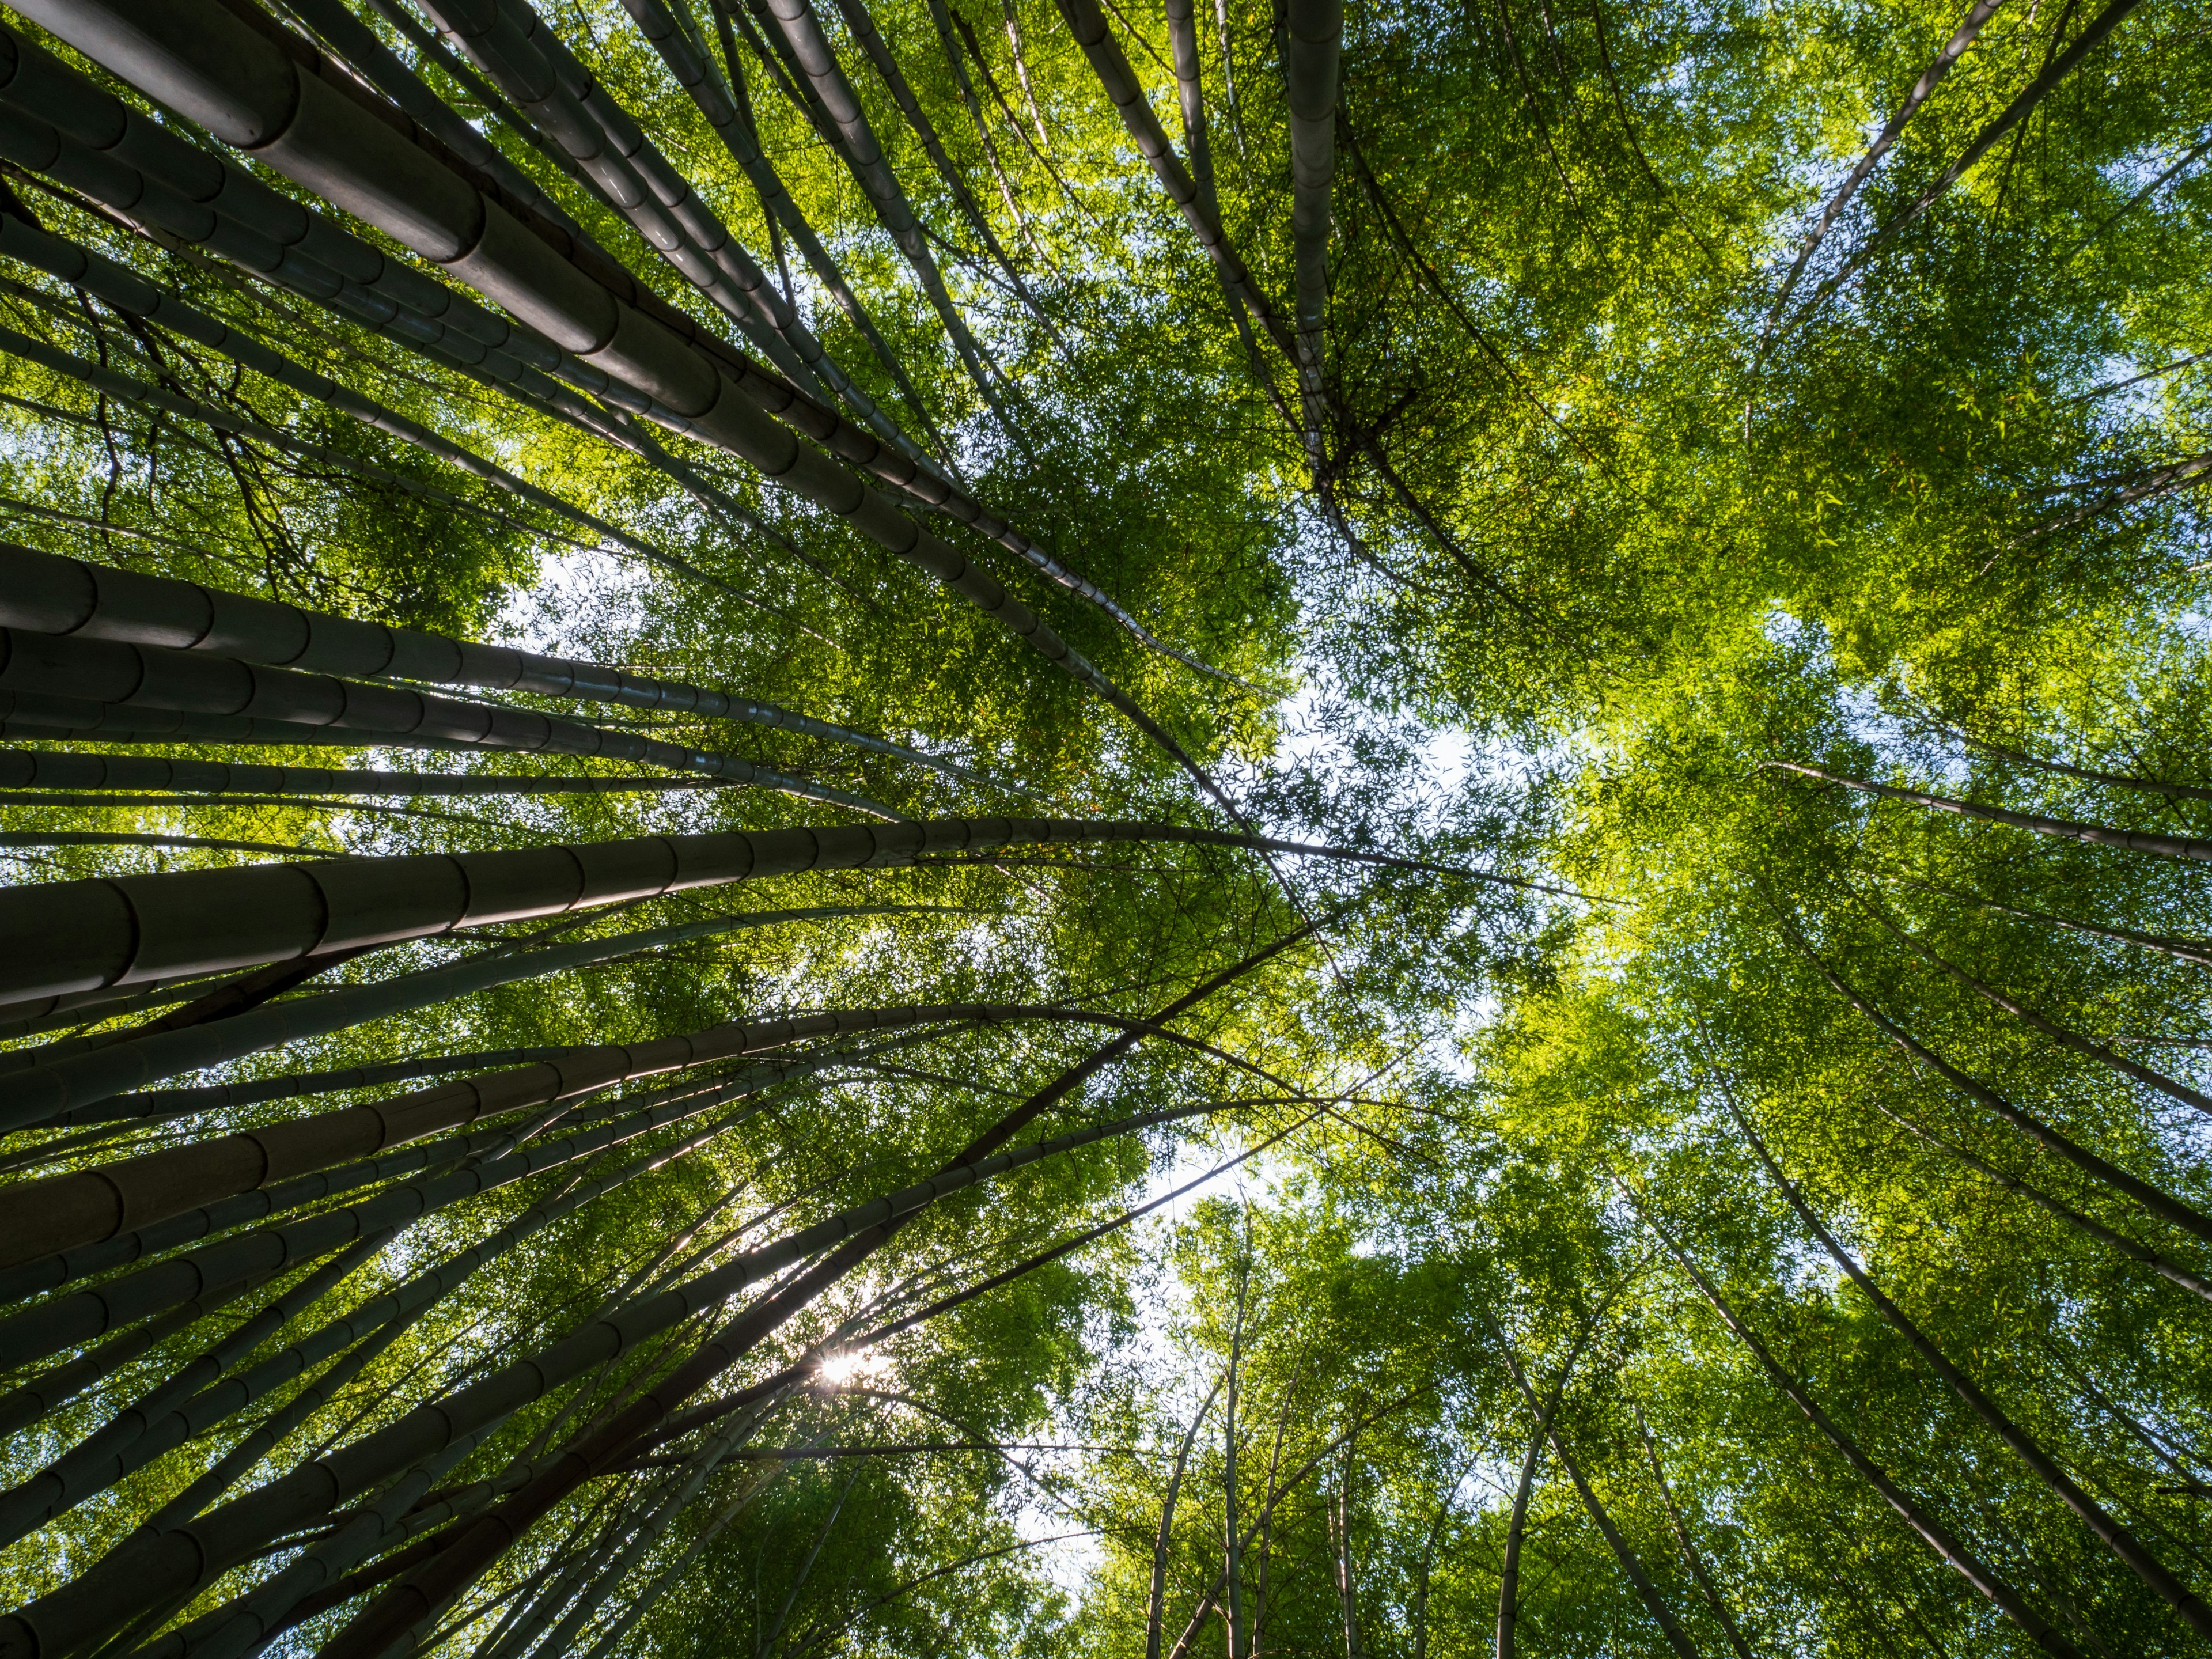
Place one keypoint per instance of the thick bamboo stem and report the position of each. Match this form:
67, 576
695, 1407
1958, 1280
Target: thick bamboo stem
47, 594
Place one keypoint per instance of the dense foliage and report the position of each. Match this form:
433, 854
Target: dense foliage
1592, 1038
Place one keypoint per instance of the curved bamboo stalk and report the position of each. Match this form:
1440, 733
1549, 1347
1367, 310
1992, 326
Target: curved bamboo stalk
1948, 1549
82, 685
45, 593
2099, 834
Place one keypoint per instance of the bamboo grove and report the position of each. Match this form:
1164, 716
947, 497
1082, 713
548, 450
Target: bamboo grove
1046, 826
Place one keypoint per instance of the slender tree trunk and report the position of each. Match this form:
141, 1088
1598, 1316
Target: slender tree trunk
1517, 1529
1154, 1603
1347, 1584
2099, 834
2195, 1282
1313, 34
2116, 1537
2160, 1202
1953, 49
1691, 1555
1952, 1553
1233, 1564
2064, 1036
2187, 950
2017, 111
1646, 1591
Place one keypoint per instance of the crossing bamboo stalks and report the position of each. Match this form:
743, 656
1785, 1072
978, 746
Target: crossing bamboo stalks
67, 1213
1938, 1538
727, 112
857, 143
134, 296
50, 1272
2065, 1037
1962, 37
2147, 1194
950, 48
188, 1411
618, 163
299, 247
48, 594
60, 121
25, 1404
2012, 114
1088, 25
863, 27
861, 1232
728, 109
83, 1071
108, 383
2173, 1272
81, 683
66, 1321
204, 61
358, 45
105, 1455
2116, 1537
149, 1570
